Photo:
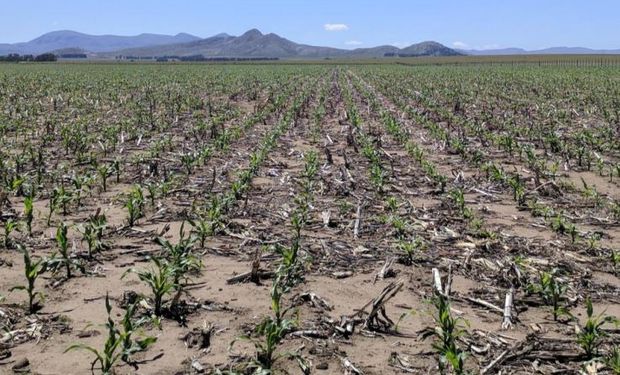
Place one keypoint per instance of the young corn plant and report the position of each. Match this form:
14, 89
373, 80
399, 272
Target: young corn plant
446, 332
377, 177
152, 189
552, 292
209, 223
63, 199
53, 205
561, 225
80, 184
291, 265
410, 249
202, 228
159, 279
311, 167
593, 241
16, 185
269, 334
28, 213
615, 209
130, 327
181, 258
188, 160
104, 171
612, 360
64, 261
119, 343
32, 271
458, 198
117, 169
135, 205
391, 203
591, 334
615, 260
518, 189
9, 227
92, 233
399, 225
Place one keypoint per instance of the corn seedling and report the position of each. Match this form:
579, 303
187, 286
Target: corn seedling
64, 261
119, 343
92, 233
612, 360
615, 209
131, 326
80, 184
446, 332
159, 279
135, 205
32, 271
615, 259
458, 198
391, 204
116, 168
180, 256
152, 189
410, 249
518, 189
9, 226
104, 171
399, 225
591, 334
188, 160
63, 198
593, 241
28, 213
202, 228
268, 335
53, 205
562, 226
552, 292
208, 224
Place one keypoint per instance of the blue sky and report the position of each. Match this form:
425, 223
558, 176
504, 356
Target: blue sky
529, 24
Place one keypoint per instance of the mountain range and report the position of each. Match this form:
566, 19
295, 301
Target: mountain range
65, 39
251, 44
545, 51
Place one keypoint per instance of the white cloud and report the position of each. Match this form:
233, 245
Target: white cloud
353, 43
335, 27
460, 45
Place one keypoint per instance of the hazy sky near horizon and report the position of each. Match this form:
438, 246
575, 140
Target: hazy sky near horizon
471, 24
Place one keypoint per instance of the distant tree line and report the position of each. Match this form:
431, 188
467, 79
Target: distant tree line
518, 60
14, 57
135, 57
195, 58
426, 54
73, 56
203, 58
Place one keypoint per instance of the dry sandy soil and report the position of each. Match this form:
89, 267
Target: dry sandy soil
340, 268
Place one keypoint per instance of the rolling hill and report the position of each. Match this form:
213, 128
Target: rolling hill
545, 51
65, 39
253, 43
